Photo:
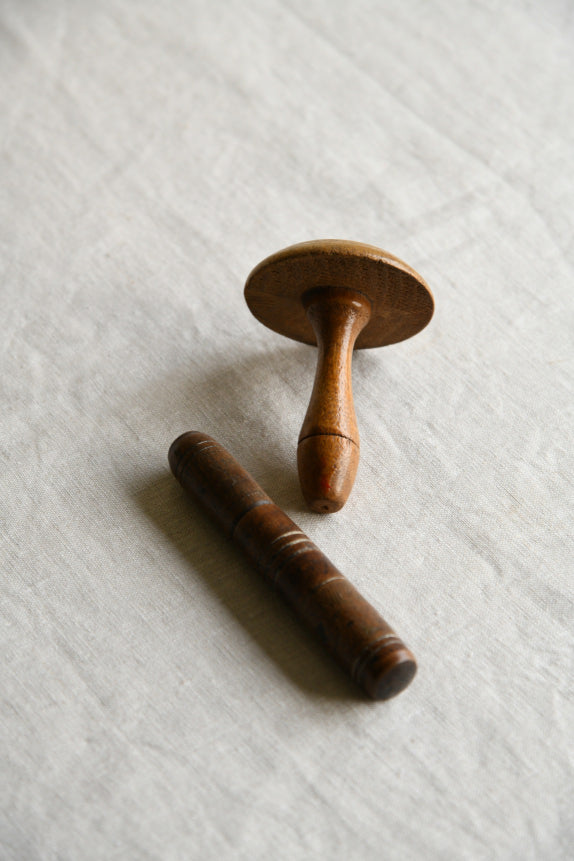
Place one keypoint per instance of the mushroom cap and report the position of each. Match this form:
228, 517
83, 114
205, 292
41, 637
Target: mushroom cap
402, 303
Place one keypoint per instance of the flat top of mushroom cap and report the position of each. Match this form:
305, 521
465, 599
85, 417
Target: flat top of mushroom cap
402, 303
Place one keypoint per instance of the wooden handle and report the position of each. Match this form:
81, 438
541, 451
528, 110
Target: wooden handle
328, 449
319, 594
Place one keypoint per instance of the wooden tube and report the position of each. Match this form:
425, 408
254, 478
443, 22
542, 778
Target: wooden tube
319, 594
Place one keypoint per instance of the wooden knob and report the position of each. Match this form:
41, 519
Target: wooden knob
338, 295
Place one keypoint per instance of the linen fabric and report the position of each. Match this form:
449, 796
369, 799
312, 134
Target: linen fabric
158, 699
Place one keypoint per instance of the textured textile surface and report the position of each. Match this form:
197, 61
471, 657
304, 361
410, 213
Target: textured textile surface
158, 701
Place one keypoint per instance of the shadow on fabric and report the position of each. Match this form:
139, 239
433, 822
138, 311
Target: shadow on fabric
241, 590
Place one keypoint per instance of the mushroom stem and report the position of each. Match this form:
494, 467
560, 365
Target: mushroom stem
328, 449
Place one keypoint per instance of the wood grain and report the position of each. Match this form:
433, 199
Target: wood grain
339, 295
401, 300
328, 449
348, 626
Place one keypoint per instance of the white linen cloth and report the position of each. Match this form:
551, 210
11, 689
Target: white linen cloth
158, 700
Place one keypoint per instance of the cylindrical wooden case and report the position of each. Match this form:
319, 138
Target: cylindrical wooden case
319, 594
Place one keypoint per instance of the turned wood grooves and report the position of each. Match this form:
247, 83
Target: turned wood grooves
338, 295
352, 630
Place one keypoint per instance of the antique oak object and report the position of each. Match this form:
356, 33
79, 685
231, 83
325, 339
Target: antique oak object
318, 593
338, 295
